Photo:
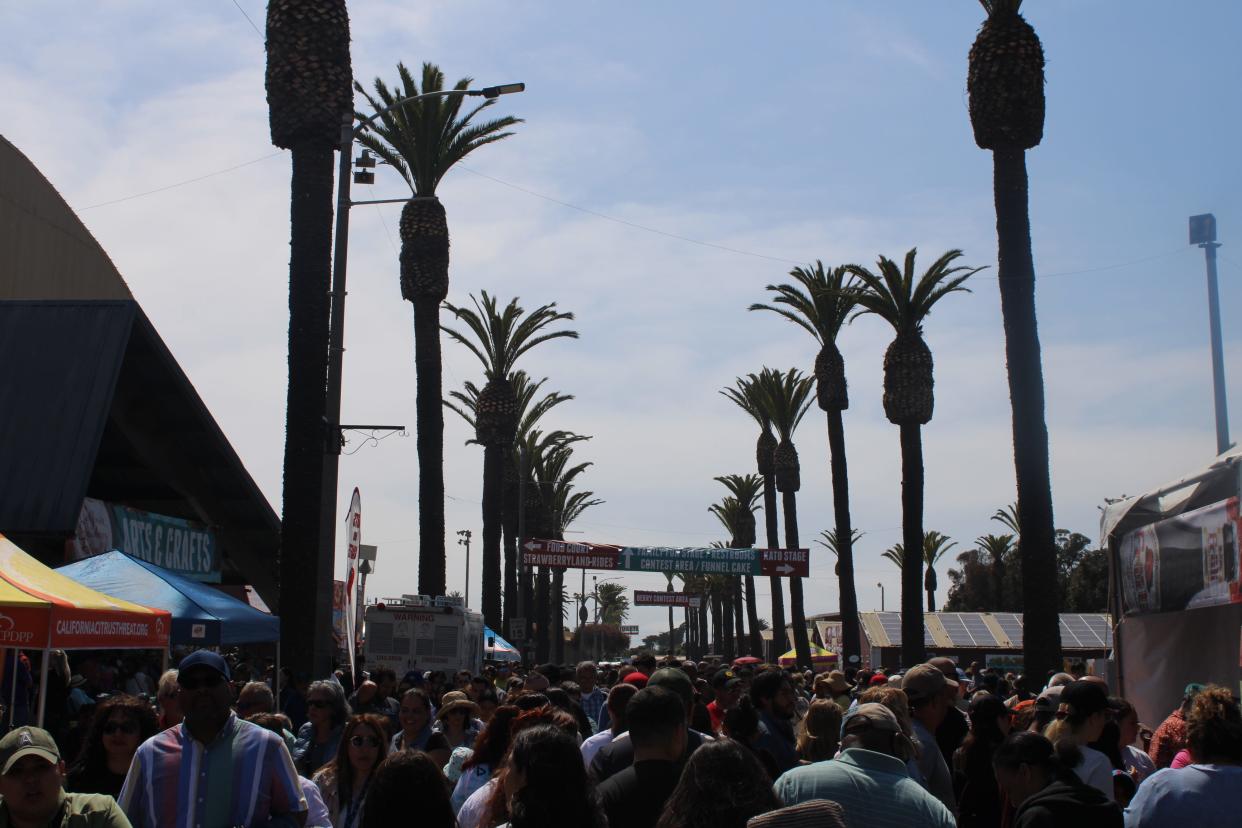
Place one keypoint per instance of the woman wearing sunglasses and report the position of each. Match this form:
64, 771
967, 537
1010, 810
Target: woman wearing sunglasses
121, 723
344, 780
318, 740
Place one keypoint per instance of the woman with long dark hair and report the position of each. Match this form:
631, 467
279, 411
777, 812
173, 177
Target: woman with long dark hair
320, 737
546, 784
974, 781
408, 789
722, 786
345, 780
1040, 782
489, 751
120, 725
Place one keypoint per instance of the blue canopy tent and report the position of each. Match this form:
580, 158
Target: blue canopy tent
201, 615
496, 648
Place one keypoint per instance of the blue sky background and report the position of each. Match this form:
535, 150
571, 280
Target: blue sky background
833, 130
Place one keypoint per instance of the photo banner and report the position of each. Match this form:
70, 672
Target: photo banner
1185, 562
183, 546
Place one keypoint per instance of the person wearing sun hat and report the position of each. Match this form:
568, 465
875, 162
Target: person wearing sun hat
32, 790
458, 719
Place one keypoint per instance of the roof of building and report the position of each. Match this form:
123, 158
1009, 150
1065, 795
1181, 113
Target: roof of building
986, 630
93, 403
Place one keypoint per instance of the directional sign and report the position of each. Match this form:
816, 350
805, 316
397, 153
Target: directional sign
788, 563
629, 629
652, 598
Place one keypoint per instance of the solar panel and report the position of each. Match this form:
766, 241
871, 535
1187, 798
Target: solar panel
1082, 630
1068, 638
1011, 624
979, 630
891, 622
1101, 626
959, 635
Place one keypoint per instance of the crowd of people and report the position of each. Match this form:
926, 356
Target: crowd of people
648, 744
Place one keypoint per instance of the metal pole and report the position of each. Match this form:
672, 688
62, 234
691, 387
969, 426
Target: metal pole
881, 586
42, 689
523, 610
598, 637
671, 643
1218, 359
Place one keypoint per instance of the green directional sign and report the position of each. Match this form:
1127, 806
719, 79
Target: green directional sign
695, 560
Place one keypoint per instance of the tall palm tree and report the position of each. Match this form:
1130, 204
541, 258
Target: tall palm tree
498, 338
828, 539
614, 604
1005, 83
935, 545
746, 395
786, 398
999, 549
565, 506
747, 489
904, 301
735, 516
422, 141
820, 302
309, 94
529, 412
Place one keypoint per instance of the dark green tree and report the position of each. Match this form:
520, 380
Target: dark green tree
747, 489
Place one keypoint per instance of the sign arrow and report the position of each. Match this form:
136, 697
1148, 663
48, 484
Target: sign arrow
784, 569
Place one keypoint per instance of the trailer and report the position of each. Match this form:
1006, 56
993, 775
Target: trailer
416, 632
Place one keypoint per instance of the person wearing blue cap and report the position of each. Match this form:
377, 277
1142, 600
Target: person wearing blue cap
235, 772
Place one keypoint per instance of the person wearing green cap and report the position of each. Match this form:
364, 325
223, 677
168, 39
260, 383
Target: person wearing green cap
32, 793
1170, 738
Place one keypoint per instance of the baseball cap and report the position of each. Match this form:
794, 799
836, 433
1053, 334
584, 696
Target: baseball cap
27, 741
877, 680
1193, 689
726, 679
636, 678
924, 681
870, 715
205, 658
1084, 698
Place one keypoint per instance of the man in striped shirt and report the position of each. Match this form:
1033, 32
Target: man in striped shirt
213, 770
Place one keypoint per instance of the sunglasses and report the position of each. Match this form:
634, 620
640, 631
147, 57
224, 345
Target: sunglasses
128, 728
364, 741
207, 680
317, 703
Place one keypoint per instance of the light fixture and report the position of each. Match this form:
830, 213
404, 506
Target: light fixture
503, 89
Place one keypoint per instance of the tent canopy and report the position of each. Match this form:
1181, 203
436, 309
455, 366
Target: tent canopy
41, 608
502, 651
201, 615
818, 656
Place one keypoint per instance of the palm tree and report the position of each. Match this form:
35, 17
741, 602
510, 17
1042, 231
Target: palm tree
746, 395
935, 545
747, 488
896, 554
566, 505
614, 604
786, 398
998, 548
498, 338
309, 94
904, 302
422, 140
1005, 82
828, 539
819, 303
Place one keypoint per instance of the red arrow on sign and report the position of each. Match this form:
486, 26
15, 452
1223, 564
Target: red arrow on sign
785, 563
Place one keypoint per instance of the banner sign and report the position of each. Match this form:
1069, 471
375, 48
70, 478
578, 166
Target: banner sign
653, 598
1184, 562
353, 532
792, 563
185, 547
339, 634
629, 629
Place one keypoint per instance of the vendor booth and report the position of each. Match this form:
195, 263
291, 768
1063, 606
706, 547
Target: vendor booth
1176, 586
821, 659
496, 648
41, 609
202, 616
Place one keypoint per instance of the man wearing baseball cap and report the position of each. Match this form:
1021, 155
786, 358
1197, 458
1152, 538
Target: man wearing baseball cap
869, 779
245, 775
32, 793
931, 694
728, 688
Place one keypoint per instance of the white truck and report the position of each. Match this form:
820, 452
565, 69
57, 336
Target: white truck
416, 632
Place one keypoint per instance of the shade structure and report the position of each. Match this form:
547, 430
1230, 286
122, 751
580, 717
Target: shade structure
746, 661
819, 657
500, 650
41, 608
201, 615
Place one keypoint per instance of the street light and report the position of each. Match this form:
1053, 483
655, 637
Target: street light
336, 329
463, 539
881, 586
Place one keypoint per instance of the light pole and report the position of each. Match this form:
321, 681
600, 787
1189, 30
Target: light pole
463, 539
336, 329
1203, 233
881, 586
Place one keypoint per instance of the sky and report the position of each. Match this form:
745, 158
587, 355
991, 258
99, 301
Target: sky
674, 160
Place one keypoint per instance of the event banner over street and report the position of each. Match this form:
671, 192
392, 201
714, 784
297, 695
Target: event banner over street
791, 563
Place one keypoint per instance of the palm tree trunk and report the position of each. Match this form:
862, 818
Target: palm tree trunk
493, 502
1016, 276
305, 561
429, 417
739, 617
774, 542
850, 635
726, 620
717, 635
542, 616
752, 618
508, 522
931, 600
912, 651
797, 612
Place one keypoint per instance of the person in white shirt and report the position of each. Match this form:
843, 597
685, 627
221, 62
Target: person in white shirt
1081, 715
618, 697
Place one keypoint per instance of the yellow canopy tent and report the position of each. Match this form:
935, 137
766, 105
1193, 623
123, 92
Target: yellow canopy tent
821, 659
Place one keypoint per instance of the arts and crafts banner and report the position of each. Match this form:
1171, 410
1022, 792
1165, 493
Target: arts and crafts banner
1185, 562
185, 547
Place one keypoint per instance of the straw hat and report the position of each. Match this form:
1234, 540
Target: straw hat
456, 700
